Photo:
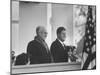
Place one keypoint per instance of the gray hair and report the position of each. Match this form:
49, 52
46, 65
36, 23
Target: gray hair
38, 28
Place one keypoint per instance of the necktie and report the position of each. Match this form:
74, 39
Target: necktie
64, 46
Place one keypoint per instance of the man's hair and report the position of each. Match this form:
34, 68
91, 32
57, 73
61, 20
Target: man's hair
37, 29
60, 29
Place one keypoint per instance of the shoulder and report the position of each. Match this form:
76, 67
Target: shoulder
55, 43
33, 42
30, 42
32, 46
54, 46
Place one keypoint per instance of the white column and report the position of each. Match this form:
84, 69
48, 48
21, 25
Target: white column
49, 15
15, 26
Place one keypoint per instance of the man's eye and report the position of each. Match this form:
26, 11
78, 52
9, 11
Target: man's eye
46, 33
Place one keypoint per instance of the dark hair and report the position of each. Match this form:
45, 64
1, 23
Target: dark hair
60, 29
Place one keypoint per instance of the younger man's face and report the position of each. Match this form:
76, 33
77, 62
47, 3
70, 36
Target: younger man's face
62, 35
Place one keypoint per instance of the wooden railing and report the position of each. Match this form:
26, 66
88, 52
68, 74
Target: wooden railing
52, 67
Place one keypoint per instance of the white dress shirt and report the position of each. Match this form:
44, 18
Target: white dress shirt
61, 42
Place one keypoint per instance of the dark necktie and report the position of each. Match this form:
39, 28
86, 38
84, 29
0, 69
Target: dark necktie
64, 46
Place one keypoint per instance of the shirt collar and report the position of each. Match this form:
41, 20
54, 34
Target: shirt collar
60, 41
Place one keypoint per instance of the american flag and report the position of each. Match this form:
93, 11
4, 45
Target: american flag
89, 50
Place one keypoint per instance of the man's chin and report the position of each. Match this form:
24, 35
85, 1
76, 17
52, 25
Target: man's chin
63, 40
44, 38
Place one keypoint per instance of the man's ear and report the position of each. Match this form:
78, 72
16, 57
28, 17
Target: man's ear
58, 35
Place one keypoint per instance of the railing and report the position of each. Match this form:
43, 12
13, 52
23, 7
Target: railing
52, 67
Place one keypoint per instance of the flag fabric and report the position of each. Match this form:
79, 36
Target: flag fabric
89, 49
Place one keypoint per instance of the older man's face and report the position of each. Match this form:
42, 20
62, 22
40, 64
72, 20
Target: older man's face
43, 33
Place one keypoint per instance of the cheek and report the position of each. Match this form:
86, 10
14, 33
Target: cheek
45, 35
64, 36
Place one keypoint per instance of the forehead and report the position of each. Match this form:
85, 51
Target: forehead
63, 31
42, 29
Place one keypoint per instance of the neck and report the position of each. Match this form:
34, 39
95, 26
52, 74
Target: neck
39, 38
60, 40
